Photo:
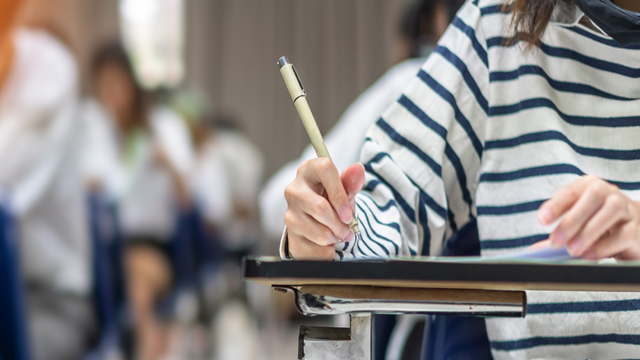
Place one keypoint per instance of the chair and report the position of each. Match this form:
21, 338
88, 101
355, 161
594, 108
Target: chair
14, 337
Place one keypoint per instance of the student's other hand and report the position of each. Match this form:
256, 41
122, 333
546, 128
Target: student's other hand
599, 220
320, 204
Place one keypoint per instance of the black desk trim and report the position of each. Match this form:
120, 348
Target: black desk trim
525, 275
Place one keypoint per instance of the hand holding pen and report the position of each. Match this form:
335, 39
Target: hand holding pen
320, 200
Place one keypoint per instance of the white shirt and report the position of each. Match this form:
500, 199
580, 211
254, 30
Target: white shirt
39, 164
344, 141
131, 174
244, 166
211, 185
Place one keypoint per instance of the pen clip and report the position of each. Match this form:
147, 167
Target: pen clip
304, 93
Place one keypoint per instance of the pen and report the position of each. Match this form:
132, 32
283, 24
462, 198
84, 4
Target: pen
299, 97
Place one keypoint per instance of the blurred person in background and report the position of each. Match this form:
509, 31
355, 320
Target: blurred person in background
423, 23
139, 154
39, 171
243, 167
209, 179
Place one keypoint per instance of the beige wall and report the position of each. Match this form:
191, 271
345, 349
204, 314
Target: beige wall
339, 48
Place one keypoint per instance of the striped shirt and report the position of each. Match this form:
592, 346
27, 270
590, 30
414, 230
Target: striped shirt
487, 131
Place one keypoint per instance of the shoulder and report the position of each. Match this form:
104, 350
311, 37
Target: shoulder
44, 70
488, 14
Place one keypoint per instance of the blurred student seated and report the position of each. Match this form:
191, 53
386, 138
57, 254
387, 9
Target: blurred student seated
243, 168
39, 175
209, 180
139, 154
423, 23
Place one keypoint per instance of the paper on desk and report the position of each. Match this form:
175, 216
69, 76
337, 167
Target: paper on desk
542, 254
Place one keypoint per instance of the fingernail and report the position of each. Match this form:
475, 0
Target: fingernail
545, 216
557, 240
575, 246
345, 214
349, 236
591, 255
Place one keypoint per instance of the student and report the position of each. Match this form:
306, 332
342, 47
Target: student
423, 22
243, 166
209, 179
501, 129
39, 175
141, 156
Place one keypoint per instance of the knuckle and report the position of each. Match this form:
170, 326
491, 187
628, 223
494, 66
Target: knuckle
290, 192
303, 168
289, 218
324, 237
320, 206
599, 189
616, 202
324, 163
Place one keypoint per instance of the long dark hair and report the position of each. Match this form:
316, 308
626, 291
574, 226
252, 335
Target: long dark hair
531, 18
114, 54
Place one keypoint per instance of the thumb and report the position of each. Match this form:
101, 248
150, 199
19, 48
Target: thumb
353, 180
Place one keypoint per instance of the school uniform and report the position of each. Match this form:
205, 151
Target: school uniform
39, 172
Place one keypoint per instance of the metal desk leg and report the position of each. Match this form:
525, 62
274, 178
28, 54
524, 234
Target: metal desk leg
324, 343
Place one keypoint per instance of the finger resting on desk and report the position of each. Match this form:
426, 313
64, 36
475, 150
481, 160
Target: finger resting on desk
579, 214
613, 212
304, 249
565, 198
620, 241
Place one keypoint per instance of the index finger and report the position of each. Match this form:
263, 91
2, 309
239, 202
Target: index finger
326, 173
552, 209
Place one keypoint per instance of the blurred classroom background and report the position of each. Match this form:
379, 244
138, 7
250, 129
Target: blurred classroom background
176, 116
227, 51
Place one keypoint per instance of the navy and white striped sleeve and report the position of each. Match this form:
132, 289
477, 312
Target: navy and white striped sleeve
423, 155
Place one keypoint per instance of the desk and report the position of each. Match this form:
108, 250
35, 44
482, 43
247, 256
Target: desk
425, 286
